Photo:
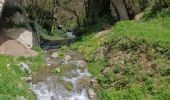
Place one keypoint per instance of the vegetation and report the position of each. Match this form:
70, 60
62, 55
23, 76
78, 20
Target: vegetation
55, 35
11, 83
131, 61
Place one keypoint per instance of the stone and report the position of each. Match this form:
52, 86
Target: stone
22, 35
55, 55
24, 67
92, 94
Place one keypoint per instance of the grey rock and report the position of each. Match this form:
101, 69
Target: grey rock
24, 67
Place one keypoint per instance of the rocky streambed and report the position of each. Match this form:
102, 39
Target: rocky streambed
65, 77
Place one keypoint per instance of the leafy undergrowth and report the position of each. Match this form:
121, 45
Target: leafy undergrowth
11, 84
131, 61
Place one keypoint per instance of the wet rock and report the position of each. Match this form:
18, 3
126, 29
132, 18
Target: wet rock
55, 55
21, 98
85, 81
78, 63
24, 67
92, 94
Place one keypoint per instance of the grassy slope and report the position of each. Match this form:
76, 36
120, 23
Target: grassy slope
11, 84
130, 37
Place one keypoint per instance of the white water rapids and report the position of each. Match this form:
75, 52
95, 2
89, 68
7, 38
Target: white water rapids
53, 87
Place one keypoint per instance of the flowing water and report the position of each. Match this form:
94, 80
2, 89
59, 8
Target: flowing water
64, 78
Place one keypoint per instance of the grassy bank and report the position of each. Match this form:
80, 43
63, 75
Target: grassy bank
130, 61
11, 84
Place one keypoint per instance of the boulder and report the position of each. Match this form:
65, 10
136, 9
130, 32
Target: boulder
24, 67
23, 36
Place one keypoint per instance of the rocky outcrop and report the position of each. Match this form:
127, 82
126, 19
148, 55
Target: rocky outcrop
22, 35
15, 24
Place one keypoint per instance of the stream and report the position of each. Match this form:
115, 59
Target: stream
65, 77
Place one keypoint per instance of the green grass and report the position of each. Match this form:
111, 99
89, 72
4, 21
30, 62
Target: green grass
156, 30
11, 84
130, 81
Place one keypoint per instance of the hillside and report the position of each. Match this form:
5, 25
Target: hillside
84, 50
130, 61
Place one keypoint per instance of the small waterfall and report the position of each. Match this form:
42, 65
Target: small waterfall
54, 88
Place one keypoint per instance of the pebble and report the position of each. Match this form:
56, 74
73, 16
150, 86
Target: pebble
55, 55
